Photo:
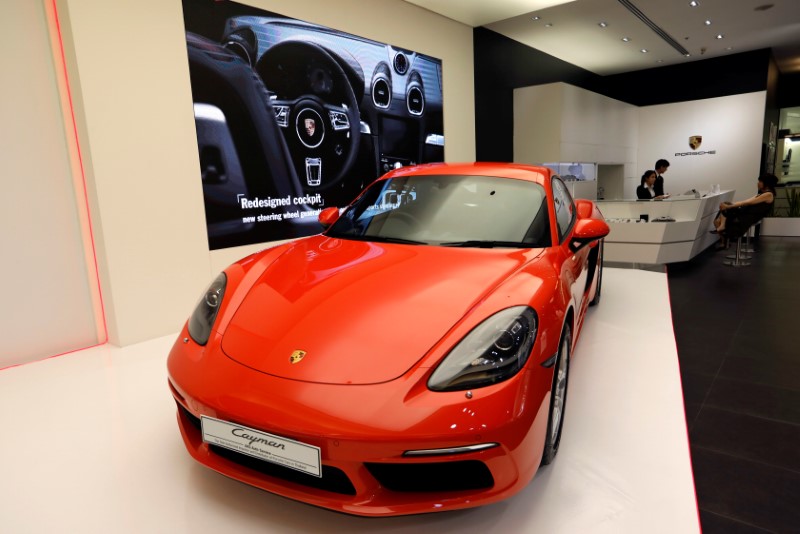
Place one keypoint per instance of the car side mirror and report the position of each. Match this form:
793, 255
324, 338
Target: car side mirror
328, 216
586, 231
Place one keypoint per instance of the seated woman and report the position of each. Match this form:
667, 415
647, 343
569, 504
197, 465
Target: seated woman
646, 191
735, 218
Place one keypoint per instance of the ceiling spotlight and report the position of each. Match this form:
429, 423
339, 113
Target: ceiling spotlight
719, 36
626, 39
707, 23
548, 25
602, 24
643, 50
694, 3
535, 17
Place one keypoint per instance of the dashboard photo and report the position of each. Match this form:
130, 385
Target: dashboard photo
293, 117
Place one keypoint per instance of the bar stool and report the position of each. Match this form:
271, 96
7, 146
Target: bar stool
752, 230
742, 253
739, 259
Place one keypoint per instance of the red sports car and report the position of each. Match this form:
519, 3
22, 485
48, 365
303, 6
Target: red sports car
412, 358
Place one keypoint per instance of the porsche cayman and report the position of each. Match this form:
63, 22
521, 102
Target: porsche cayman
413, 357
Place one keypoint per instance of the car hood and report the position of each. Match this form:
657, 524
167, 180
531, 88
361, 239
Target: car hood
359, 312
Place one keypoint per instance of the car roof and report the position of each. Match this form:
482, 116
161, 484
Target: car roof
531, 173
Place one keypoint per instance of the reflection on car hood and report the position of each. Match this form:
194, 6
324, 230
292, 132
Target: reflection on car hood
361, 312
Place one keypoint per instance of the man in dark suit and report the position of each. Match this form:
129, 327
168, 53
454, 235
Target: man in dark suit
661, 167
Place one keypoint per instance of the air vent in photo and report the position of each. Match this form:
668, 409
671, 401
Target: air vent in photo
381, 87
415, 96
243, 43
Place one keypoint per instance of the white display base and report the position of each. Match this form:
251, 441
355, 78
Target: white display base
90, 444
781, 226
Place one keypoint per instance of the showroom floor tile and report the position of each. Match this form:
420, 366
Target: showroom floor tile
740, 371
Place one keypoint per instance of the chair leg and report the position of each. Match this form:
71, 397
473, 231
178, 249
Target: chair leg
738, 260
749, 250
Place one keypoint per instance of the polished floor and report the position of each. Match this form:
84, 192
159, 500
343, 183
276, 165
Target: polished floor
738, 339
89, 444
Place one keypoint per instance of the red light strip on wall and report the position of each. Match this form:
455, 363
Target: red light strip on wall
78, 171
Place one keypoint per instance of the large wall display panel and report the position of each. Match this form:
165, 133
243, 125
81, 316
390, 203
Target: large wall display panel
51, 300
292, 117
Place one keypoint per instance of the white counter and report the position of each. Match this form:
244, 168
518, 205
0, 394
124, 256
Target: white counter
661, 242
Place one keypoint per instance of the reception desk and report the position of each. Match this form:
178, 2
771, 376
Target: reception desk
685, 235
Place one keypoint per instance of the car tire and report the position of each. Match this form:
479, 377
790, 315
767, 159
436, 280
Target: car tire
599, 273
558, 398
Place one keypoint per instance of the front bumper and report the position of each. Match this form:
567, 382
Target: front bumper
363, 433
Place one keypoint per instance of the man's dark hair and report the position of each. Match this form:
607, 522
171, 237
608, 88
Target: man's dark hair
662, 163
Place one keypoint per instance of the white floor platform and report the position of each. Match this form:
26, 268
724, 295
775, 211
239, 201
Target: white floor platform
89, 444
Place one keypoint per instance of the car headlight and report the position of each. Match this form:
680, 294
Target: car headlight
206, 311
494, 351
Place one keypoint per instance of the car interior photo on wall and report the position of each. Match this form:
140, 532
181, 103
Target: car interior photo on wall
413, 357
292, 117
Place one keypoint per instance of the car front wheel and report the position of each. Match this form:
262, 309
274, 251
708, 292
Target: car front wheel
558, 398
599, 274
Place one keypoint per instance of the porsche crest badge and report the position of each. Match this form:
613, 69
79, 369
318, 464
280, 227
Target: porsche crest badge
297, 356
695, 141
311, 127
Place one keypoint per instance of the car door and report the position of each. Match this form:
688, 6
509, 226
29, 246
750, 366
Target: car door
574, 271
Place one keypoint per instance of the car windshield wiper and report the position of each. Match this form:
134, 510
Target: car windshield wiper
476, 243
381, 239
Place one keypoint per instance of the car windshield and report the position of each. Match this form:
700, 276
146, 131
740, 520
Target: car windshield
449, 210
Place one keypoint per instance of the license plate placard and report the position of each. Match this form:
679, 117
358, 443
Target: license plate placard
268, 447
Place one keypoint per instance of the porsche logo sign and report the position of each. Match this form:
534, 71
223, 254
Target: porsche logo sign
311, 127
694, 143
297, 356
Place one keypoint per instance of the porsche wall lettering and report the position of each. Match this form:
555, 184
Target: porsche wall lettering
694, 143
293, 117
700, 153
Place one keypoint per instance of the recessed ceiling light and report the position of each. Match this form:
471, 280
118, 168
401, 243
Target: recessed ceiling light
694, 3
687, 55
602, 24
643, 50
707, 23
728, 48
659, 61
626, 39
548, 25
719, 36
535, 17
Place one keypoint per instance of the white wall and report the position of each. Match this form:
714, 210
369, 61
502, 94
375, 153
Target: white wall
560, 122
538, 112
49, 287
129, 68
731, 126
